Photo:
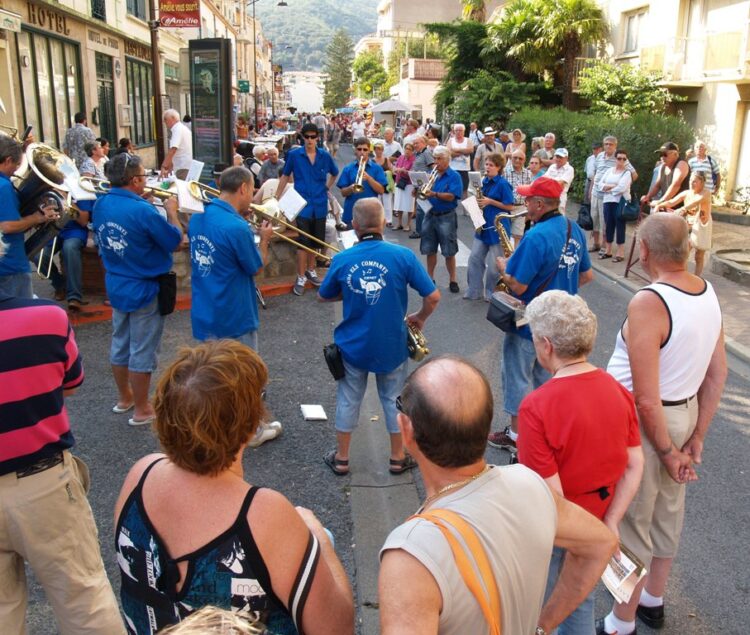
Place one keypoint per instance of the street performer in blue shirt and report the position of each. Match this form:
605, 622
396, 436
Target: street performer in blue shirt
552, 255
496, 198
373, 179
314, 172
136, 245
440, 225
225, 262
372, 279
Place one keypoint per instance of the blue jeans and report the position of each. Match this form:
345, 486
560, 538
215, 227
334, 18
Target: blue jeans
479, 286
136, 337
580, 621
249, 339
72, 281
17, 285
520, 366
420, 219
350, 390
612, 223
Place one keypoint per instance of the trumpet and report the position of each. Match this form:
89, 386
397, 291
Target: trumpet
422, 193
416, 343
358, 186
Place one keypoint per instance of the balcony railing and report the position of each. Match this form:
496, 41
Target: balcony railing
429, 70
99, 10
581, 63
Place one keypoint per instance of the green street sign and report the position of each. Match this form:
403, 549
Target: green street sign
244, 85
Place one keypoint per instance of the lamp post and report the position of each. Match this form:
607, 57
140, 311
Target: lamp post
284, 46
281, 3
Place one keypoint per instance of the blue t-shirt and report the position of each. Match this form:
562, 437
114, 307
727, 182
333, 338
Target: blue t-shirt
73, 229
373, 278
349, 176
538, 255
224, 259
498, 189
310, 179
448, 181
136, 246
15, 260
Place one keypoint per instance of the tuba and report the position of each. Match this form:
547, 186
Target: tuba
40, 237
358, 187
422, 193
46, 169
416, 343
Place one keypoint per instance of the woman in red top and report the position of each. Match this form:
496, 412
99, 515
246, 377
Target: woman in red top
578, 431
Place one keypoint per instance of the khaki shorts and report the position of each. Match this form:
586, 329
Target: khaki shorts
653, 523
518, 224
597, 212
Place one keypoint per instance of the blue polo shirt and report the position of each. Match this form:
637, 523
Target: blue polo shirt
15, 260
498, 189
73, 229
224, 259
349, 176
538, 255
448, 181
373, 277
310, 179
136, 246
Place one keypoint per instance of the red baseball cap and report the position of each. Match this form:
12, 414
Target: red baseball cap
544, 187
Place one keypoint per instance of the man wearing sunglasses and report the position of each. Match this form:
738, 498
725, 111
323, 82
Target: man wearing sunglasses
373, 183
136, 245
673, 175
313, 172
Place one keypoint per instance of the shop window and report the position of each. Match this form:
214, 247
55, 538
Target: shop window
139, 97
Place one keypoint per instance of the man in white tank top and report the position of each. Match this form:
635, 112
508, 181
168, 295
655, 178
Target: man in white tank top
670, 354
461, 149
445, 415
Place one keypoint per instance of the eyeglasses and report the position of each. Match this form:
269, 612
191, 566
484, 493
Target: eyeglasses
310, 136
622, 158
400, 404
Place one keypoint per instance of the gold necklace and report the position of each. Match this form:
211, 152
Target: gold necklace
452, 486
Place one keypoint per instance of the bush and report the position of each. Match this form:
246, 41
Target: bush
640, 136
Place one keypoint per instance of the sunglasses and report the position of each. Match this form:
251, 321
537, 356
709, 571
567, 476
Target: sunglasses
400, 404
622, 158
310, 136
363, 149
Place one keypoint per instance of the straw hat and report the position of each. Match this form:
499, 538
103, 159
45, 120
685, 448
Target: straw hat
518, 130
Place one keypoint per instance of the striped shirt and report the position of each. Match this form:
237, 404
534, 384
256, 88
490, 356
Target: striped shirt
516, 178
708, 167
39, 359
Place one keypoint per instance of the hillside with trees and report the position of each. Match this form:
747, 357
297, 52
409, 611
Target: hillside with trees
308, 27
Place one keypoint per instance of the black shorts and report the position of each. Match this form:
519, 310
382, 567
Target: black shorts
313, 226
464, 178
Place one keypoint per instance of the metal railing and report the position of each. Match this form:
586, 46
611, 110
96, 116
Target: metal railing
414, 68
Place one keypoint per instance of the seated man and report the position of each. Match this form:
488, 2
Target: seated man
445, 415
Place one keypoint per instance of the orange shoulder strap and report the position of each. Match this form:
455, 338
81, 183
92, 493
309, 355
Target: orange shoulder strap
470, 559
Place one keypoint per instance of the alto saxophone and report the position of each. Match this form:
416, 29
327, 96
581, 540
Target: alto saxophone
507, 247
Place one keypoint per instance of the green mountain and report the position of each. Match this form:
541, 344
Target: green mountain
307, 26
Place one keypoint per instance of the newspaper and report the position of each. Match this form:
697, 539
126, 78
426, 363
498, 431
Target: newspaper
621, 575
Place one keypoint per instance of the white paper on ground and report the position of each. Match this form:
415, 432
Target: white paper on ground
313, 412
475, 213
291, 203
187, 202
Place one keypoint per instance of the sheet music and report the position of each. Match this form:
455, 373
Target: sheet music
425, 204
291, 203
195, 171
418, 179
475, 213
348, 238
78, 193
475, 182
187, 202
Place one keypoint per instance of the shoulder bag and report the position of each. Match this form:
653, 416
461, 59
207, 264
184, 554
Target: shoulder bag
628, 210
472, 563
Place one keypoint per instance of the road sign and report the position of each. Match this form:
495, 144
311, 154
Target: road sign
244, 85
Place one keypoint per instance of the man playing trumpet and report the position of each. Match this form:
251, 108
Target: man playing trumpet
360, 179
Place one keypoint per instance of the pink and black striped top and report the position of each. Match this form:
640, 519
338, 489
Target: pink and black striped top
39, 359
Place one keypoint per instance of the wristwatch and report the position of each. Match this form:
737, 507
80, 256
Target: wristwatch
540, 631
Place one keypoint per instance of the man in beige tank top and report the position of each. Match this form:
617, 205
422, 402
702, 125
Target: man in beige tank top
445, 415
670, 354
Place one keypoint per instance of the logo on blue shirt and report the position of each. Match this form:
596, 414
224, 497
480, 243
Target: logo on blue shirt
367, 278
572, 257
112, 237
202, 250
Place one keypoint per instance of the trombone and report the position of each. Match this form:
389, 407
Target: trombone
358, 187
103, 186
271, 212
422, 193
9, 130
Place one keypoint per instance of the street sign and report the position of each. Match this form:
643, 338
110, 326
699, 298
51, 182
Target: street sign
244, 85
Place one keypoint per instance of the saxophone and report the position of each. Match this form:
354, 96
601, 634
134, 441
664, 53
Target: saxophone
507, 245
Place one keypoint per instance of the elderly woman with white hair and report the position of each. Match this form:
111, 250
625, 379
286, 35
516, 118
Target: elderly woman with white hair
588, 449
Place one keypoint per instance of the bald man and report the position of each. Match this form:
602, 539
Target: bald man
445, 411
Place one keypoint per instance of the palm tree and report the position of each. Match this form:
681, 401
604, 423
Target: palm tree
538, 33
474, 10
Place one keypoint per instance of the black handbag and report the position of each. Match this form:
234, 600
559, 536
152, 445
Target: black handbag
584, 220
332, 355
167, 296
628, 210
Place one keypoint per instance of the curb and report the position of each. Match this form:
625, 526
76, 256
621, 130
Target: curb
733, 218
740, 351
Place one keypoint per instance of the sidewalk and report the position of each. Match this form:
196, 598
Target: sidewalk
734, 298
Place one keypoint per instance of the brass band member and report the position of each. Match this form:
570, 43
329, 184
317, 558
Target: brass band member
373, 181
496, 197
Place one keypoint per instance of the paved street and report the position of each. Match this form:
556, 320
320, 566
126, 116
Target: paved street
710, 587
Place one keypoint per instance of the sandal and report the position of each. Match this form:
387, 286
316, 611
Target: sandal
336, 464
604, 256
399, 466
618, 259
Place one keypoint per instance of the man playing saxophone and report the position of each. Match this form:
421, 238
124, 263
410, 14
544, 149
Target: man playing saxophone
360, 179
495, 197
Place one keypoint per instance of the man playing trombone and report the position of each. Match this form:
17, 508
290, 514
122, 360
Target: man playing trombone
363, 178
225, 261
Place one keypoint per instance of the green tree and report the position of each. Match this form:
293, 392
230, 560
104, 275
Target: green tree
338, 66
491, 97
369, 74
474, 10
619, 90
540, 33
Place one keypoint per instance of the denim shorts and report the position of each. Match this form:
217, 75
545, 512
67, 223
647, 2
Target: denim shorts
439, 230
350, 391
580, 621
17, 285
249, 339
520, 367
136, 337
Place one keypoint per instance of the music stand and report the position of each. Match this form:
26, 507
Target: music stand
633, 257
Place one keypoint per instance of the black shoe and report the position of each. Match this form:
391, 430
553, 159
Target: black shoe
414, 235
600, 630
651, 616
453, 286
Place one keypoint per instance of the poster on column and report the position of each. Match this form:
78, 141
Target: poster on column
180, 14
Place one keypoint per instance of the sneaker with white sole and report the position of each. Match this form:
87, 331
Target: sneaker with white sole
299, 286
502, 440
312, 276
267, 431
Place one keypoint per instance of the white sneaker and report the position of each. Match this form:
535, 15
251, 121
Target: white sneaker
299, 286
265, 432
